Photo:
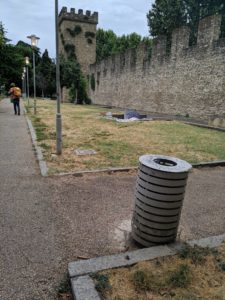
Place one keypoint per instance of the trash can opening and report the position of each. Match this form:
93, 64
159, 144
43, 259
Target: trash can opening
165, 162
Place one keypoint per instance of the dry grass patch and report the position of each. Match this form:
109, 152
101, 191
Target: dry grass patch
118, 144
197, 273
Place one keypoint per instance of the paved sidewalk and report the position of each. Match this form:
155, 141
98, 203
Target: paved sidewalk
27, 231
45, 223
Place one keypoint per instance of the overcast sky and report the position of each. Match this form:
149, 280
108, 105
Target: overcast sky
25, 17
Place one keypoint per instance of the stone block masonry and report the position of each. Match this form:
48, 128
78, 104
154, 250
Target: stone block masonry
190, 80
77, 36
77, 39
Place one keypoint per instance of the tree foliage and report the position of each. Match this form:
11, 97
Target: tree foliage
73, 79
3, 39
108, 43
11, 65
11, 62
46, 75
166, 15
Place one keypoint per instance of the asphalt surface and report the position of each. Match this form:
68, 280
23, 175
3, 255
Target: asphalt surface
47, 222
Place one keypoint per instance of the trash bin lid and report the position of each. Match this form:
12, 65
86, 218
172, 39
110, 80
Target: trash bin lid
165, 163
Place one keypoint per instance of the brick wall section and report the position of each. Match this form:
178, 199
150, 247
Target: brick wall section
190, 80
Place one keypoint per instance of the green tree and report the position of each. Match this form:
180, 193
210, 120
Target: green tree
11, 65
105, 42
108, 43
166, 15
3, 39
10, 62
73, 79
46, 75
25, 49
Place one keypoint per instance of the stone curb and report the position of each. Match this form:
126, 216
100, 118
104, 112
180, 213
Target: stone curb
38, 151
83, 287
205, 126
219, 163
110, 170
93, 265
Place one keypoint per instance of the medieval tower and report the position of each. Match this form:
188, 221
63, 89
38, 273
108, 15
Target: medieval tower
77, 36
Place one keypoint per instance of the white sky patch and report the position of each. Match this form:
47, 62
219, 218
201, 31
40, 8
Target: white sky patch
37, 17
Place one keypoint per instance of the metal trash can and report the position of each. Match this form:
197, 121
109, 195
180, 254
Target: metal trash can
159, 195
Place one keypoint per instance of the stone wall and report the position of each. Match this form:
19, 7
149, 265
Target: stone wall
190, 80
84, 42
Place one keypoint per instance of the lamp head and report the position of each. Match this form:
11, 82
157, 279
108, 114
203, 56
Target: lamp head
27, 61
34, 39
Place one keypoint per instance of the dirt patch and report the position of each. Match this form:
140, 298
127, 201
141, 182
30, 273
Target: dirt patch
195, 273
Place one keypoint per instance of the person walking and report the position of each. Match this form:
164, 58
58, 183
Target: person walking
15, 94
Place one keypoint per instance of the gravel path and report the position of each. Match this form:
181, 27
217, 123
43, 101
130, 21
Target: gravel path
47, 222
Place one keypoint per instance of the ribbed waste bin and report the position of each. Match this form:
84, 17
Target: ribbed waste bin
159, 195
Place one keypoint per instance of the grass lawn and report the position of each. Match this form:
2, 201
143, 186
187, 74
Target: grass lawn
118, 144
195, 273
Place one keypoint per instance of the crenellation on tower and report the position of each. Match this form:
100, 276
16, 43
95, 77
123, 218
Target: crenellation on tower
86, 17
63, 10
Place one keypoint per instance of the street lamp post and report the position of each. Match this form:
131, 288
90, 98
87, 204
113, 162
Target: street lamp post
27, 63
34, 39
24, 81
58, 113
